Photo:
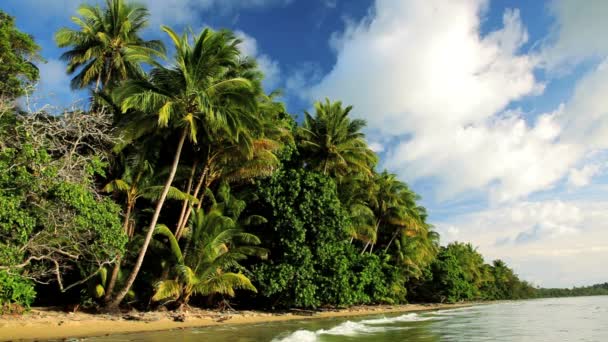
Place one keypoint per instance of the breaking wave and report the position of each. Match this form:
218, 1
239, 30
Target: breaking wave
350, 328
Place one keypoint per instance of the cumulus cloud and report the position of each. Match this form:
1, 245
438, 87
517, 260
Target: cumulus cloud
421, 72
54, 86
577, 28
586, 115
301, 78
439, 95
582, 177
569, 237
426, 80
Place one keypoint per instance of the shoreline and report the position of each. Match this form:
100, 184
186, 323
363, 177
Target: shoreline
44, 323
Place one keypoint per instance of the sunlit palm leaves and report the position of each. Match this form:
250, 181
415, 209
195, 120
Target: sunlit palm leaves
333, 143
195, 92
215, 243
107, 47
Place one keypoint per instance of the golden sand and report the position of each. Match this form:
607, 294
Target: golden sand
42, 323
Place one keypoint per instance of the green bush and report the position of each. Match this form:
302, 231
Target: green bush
16, 293
312, 263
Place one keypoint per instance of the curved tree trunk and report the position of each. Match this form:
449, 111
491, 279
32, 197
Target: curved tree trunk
392, 239
114, 276
98, 83
182, 213
371, 248
365, 248
197, 189
159, 206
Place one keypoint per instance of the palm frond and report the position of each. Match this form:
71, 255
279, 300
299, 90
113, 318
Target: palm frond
167, 289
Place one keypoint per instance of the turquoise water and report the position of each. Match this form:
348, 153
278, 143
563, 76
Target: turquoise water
564, 319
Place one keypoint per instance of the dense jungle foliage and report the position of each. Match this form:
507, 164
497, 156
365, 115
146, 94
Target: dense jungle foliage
185, 183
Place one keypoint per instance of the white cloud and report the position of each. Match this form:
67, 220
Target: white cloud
376, 146
439, 97
421, 73
582, 177
555, 243
578, 28
299, 81
54, 86
586, 115
426, 79
270, 68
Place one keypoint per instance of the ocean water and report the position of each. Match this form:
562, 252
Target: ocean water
563, 319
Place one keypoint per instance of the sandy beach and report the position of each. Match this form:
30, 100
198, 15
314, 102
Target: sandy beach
43, 323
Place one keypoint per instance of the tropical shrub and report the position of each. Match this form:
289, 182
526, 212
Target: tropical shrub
16, 293
52, 221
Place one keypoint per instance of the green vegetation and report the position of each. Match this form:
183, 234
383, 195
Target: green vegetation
18, 52
459, 273
593, 290
185, 183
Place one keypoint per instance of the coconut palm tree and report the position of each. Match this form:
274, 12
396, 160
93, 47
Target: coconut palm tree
333, 144
238, 161
137, 181
355, 192
417, 251
252, 155
192, 93
394, 206
107, 46
216, 242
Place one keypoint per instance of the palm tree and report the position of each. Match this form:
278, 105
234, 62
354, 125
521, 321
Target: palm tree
333, 144
417, 251
216, 242
137, 182
243, 160
252, 155
394, 206
355, 192
107, 47
192, 93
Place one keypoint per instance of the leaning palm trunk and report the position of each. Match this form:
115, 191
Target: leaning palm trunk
180, 230
391, 241
371, 248
144, 248
182, 213
365, 248
114, 275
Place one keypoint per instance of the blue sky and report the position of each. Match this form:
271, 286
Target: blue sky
493, 110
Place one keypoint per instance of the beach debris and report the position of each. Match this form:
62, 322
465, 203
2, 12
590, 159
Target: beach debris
181, 317
223, 319
143, 317
301, 312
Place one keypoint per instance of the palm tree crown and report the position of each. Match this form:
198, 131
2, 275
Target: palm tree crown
107, 47
333, 143
197, 90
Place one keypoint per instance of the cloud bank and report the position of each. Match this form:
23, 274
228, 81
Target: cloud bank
552, 243
438, 95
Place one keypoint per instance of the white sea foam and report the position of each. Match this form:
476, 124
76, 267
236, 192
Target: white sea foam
350, 328
411, 317
299, 336
453, 312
